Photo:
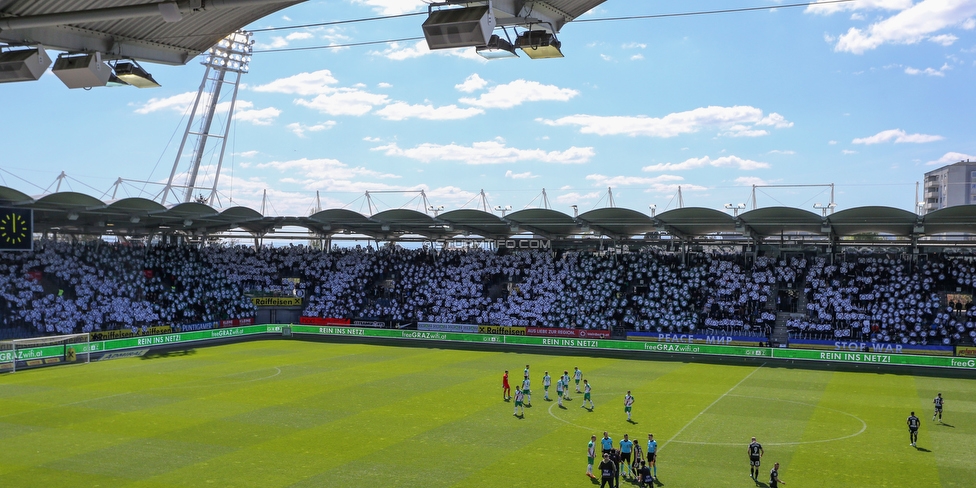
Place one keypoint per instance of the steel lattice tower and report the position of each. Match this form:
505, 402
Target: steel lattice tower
225, 63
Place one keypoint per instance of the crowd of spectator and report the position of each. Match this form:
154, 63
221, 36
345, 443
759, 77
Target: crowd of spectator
63, 287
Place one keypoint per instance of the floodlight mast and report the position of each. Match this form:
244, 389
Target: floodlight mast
231, 55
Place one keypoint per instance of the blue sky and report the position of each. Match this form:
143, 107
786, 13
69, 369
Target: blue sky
867, 95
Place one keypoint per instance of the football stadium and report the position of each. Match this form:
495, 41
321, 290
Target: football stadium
202, 342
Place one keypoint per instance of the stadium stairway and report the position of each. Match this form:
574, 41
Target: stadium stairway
781, 333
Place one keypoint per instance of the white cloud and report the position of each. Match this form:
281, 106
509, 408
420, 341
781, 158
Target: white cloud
929, 71
739, 130
722, 162
573, 198
847, 152
520, 176
950, 158
637, 57
775, 120
345, 101
518, 92
471, 84
606, 57
314, 83
897, 136
300, 129
488, 152
384, 84
403, 111
823, 8
673, 124
246, 154
179, 103
329, 175
278, 42
912, 24
399, 52
394, 7
659, 184
750, 180
786, 152
944, 39
832, 143
244, 112
634, 45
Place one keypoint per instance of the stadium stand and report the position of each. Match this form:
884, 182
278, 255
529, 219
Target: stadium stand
63, 287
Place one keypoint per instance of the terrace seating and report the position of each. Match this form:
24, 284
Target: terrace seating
65, 287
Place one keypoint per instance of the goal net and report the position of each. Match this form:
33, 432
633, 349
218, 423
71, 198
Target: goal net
44, 351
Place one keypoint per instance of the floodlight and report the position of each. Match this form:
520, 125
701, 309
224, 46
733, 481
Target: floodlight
133, 74
539, 44
497, 48
82, 71
114, 81
459, 27
23, 64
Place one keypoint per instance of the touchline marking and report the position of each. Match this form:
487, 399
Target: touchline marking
710, 406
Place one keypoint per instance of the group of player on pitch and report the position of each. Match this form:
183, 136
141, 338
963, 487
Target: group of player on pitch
627, 460
523, 392
914, 422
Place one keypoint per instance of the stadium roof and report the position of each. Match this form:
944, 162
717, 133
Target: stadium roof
77, 213
130, 28
175, 31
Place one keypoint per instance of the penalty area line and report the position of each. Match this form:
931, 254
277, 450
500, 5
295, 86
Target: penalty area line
675, 436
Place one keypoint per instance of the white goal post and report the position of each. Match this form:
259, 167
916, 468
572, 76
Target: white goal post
44, 351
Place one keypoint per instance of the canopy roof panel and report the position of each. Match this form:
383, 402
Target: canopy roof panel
959, 219
697, 221
619, 221
82, 214
776, 220
130, 28
883, 220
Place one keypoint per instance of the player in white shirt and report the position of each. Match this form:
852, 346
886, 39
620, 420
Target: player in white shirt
586, 396
519, 396
546, 383
577, 375
527, 392
628, 404
559, 391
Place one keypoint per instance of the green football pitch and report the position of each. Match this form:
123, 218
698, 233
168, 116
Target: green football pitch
306, 414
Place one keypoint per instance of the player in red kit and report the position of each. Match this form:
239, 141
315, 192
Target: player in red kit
506, 389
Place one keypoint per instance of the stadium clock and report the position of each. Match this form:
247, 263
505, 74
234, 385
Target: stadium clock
16, 229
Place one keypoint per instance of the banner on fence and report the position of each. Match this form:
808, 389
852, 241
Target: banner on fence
560, 332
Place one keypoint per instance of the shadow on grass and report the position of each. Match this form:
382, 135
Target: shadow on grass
947, 425
922, 449
169, 353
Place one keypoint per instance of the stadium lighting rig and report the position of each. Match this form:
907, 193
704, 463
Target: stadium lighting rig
735, 208
825, 208
75, 70
463, 23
